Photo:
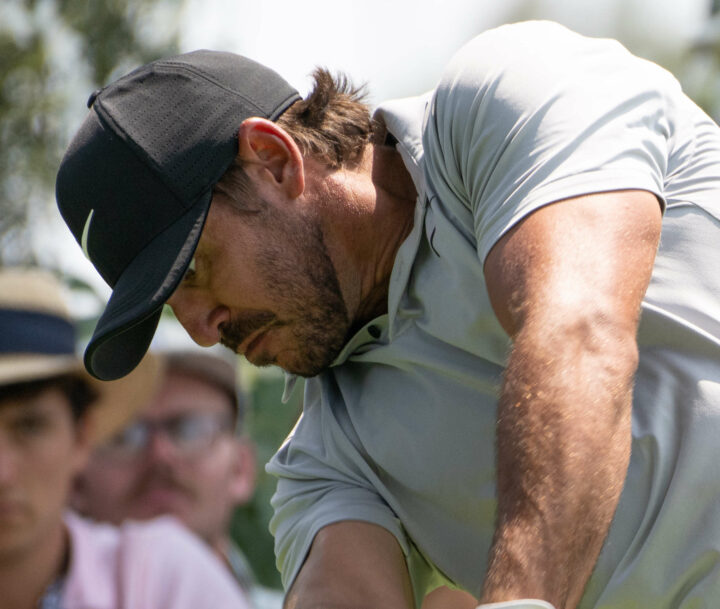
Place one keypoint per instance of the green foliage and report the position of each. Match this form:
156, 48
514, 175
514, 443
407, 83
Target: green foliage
46, 48
113, 35
28, 130
700, 67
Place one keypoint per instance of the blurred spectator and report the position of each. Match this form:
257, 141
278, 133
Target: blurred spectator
185, 455
51, 412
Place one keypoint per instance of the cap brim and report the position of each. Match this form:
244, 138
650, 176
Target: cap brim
126, 327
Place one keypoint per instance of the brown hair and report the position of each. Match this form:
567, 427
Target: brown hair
332, 124
78, 392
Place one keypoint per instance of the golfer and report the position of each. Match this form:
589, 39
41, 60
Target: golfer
503, 293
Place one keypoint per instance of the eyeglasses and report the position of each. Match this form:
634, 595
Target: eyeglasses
189, 434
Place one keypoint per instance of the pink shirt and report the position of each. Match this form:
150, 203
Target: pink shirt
144, 565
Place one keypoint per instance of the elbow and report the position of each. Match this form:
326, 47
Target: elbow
590, 348
599, 334
610, 345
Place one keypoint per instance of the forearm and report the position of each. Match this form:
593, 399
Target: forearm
563, 444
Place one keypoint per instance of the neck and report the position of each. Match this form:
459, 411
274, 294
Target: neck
367, 230
25, 574
221, 549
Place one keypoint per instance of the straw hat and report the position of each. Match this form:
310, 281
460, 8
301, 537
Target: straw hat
37, 342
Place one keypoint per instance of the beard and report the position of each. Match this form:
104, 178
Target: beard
303, 281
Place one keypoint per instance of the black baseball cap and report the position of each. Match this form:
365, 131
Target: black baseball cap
135, 184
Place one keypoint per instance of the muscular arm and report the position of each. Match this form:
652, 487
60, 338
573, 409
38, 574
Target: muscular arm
566, 284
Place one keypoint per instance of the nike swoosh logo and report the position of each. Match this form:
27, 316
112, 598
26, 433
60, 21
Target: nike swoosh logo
85, 233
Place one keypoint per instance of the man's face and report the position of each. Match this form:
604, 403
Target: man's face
41, 450
191, 465
264, 285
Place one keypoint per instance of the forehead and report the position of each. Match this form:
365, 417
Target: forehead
182, 393
49, 400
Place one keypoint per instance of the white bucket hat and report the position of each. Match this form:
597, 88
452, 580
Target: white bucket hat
37, 342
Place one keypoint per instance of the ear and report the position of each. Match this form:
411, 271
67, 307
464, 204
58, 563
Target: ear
271, 155
242, 483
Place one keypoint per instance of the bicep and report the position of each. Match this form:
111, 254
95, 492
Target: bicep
352, 565
588, 256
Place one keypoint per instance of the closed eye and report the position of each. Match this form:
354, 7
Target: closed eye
190, 272
30, 425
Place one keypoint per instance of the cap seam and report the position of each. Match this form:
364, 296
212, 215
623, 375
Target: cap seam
165, 225
197, 72
137, 151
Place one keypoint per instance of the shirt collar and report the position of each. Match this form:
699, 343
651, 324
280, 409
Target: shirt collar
405, 119
362, 340
91, 574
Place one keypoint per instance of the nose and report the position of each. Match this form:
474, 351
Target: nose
200, 315
160, 448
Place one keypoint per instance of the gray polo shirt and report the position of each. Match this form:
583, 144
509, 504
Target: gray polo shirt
400, 430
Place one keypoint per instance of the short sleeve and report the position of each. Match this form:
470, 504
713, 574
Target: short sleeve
301, 510
532, 113
323, 477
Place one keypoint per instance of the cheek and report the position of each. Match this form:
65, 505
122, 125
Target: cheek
243, 271
109, 483
238, 284
50, 473
214, 472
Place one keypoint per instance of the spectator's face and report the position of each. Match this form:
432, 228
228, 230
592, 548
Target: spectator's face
189, 464
41, 450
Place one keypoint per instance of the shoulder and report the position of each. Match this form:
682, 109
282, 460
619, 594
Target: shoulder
533, 42
156, 563
148, 532
165, 545
91, 579
531, 113
534, 61
90, 541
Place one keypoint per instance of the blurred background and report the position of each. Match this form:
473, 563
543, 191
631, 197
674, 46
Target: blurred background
54, 53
